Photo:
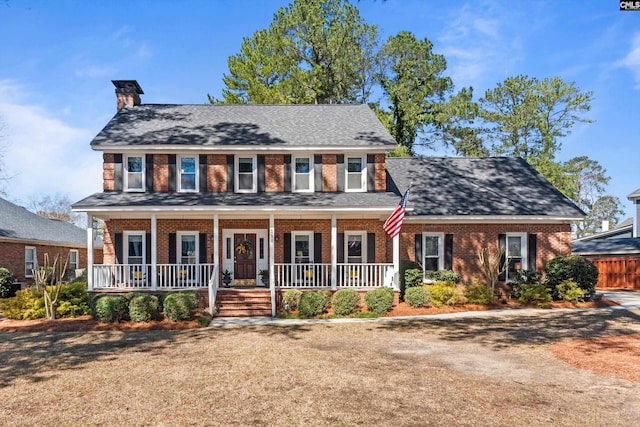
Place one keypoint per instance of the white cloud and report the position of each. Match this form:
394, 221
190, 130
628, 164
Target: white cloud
632, 60
42, 154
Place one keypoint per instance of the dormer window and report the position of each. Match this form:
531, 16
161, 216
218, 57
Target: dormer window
188, 180
356, 173
134, 173
246, 176
303, 173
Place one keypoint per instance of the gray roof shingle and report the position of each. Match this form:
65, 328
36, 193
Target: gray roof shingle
230, 126
18, 223
619, 246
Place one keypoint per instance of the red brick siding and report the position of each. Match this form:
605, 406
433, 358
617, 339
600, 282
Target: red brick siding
329, 173
161, 172
380, 168
217, 173
274, 172
108, 172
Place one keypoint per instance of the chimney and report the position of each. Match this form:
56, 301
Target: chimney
127, 93
605, 225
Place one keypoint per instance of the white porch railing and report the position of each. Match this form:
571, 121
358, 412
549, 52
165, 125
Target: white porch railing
138, 276
319, 275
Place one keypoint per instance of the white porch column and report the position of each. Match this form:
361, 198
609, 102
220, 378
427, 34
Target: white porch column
89, 252
216, 243
154, 252
272, 276
396, 262
334, 252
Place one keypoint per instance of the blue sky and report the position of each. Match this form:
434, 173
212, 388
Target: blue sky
59, 57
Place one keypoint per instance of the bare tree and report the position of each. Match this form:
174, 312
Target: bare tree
493, 264
50, 278
55, 206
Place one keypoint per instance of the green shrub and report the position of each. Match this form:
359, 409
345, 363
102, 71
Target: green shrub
416, 297
310, 304
327, 295
26, 305
143, 308
81, 278
73, 300
535, 293
379, 300
291, 297
6, 282
345, 302
570, 291
479, 293
110, 308
445, 293
404, 266
413, 277
444, 276
181, 305
575, 267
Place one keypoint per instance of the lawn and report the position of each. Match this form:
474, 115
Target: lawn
483, 371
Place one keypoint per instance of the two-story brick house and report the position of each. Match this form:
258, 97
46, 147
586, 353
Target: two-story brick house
301, 191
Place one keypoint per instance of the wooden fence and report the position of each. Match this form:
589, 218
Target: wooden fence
620, 273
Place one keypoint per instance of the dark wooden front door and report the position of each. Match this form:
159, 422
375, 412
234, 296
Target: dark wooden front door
244, 264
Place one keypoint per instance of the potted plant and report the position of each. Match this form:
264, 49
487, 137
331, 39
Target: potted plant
264, 276
226, 277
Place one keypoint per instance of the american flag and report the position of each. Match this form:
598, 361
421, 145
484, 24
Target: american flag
393, 224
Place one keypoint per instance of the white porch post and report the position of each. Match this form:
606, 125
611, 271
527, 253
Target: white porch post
396, 262
334, 253
89, 252
216, 244
272, 276
154, 252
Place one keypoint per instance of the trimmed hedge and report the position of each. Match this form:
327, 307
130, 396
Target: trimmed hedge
445, 293
479, 294
291, 297
416, 297
143, 308
345, 302
181, 305
310, 304
413, 277
110, 308
379, 300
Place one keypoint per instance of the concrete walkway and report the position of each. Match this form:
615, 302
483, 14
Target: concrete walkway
627, 301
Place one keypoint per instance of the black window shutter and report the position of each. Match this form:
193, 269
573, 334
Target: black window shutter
317, 247
531, 248
341, 247
371, 172
340, 172
287, 173
202, 255
117, 172
172, 172
147, 249
502, 244
371, 247
172, 248
202, 164
418, 248
286, 241
448, 251
148, 171
118, 247
230, 173
317, 172
261, 177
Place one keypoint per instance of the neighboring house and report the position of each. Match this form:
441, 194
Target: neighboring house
615, 252
25, 237
303, 192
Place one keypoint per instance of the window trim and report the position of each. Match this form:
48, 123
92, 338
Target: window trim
196, 173
311, 174
440, 237
254, 171
524, 252
126, 172
179, 235
363, 174
77, 264
295, 234
125, 242
34, 260
363, 234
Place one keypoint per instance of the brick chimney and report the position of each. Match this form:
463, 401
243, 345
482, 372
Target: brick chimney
127, 93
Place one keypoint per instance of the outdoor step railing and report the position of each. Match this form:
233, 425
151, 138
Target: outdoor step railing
319, 275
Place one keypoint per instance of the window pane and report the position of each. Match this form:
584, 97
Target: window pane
514, 246
245, 165
431, 246
302, 246
354, 246
302, 182
354, 164
354, 181
303, 165
188, 249
135, 246
245, 182
188, 164
134, 164
134, 180
188, 182
431, 264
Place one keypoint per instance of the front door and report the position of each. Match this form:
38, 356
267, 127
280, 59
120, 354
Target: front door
244, 259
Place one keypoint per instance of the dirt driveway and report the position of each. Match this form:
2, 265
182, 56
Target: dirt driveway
493, 371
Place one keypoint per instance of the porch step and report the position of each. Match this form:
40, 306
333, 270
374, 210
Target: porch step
243, 302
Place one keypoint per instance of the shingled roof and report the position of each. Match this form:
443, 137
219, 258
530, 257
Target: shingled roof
492, 186
256, 126
17, 223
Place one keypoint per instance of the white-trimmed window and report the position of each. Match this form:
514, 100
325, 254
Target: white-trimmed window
73, 260
246, 179
30, 261
302, 247
432, 252
134, 250
355, 247
303, 174
188, 178
188, 247
134, 173
356, 173
515, 254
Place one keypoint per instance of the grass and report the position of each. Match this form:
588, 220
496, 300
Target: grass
476, 372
